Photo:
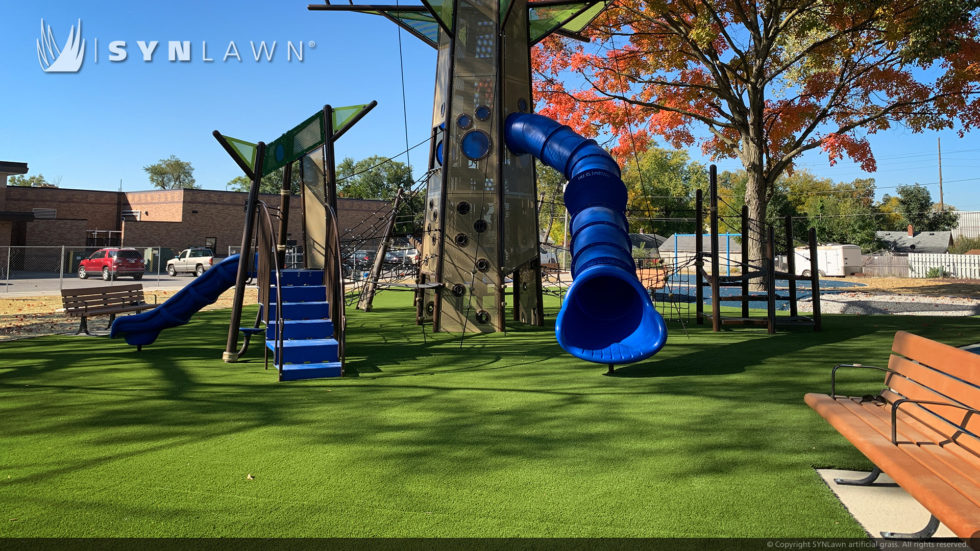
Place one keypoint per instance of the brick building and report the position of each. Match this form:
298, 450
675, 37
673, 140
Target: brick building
167, 218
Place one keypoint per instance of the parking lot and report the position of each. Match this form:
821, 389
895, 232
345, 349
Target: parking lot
26, 284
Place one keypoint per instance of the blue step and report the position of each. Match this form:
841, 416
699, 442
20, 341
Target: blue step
299, 351
300, 293
301, 329
302, 310
295, 372
301, 277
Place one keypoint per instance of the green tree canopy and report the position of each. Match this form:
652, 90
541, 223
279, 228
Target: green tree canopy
375, 177
378, 177
917, 209
22, 180
551, 215
661, 185
171, 173
271, 183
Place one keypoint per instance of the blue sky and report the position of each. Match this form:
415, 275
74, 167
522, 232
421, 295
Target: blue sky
102, 125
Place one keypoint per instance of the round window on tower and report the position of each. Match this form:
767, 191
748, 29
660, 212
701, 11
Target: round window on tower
475, 145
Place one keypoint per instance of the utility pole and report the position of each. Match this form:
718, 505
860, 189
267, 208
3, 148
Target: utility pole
939, 145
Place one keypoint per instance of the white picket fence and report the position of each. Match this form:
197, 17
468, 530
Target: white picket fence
960, 266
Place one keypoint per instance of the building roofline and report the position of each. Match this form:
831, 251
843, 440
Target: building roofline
11, 167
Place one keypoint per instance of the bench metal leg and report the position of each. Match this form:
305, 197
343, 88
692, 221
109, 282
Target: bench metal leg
925, 533
112, 318
83, 327
866, 481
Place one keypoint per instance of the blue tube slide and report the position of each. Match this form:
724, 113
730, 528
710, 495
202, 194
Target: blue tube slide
142, 329
607, 316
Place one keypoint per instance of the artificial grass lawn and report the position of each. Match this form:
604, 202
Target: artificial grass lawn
502, 435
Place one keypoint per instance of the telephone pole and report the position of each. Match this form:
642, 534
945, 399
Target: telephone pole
939, 145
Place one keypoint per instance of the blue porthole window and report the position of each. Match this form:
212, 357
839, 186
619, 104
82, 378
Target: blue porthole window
280, 153
483, 112
464, 121
475, 145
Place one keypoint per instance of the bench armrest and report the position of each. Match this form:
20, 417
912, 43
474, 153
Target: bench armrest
898, 403
833, 374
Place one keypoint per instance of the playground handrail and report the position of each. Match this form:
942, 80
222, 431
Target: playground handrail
340, 324
267, 221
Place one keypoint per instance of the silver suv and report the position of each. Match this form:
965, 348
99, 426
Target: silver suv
196, 260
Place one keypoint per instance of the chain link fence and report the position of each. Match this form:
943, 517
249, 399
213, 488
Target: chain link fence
52, 268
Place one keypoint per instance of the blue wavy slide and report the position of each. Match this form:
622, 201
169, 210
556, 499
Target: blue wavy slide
142, 329
607, 316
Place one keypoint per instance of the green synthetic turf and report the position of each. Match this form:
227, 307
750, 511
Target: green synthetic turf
491, 435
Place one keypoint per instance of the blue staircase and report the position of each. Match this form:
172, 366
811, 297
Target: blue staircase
309, 350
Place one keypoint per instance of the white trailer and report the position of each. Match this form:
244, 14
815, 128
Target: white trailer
832, 260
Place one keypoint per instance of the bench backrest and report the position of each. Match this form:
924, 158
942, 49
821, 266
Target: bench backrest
81, 300
923, 369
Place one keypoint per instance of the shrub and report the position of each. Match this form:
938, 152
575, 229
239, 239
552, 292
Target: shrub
964, 244
937, 271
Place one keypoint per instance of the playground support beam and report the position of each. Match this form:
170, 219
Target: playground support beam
698, 256
284, 192
715, 268
814, 279
230, 354
367, 297
745, 260
791, 266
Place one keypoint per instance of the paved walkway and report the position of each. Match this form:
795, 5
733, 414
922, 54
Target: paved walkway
883, 506
53, 285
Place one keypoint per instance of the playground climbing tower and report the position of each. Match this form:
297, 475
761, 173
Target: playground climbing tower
480, 211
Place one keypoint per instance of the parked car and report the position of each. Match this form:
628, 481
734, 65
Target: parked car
363, 259
111, 263
196, 260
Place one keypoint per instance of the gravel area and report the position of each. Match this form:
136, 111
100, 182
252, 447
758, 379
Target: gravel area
883, 303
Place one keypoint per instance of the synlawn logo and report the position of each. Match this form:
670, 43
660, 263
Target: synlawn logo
69, 58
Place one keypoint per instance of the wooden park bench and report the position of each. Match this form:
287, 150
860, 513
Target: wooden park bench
97, 301
923, 430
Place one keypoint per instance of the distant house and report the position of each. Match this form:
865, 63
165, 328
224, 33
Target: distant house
934, 242
680, 248
646, 240
687, 243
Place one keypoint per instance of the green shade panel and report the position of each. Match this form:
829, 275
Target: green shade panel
422, 25
244, 150
344, 116
504, 6
443, 10
581, 21
545, 20
294, 144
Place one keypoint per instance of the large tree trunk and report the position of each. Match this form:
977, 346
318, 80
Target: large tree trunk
755, 199
756, 189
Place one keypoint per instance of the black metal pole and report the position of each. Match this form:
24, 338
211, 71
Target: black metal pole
698, 257
814, 279
791, 267
745, 261
287, 189
329, 159
231, 348
770, 267
715, 268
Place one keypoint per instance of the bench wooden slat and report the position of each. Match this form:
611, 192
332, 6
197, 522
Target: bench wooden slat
958, 471
937, 381
969, 443
946, 418
954, 361
954, 509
